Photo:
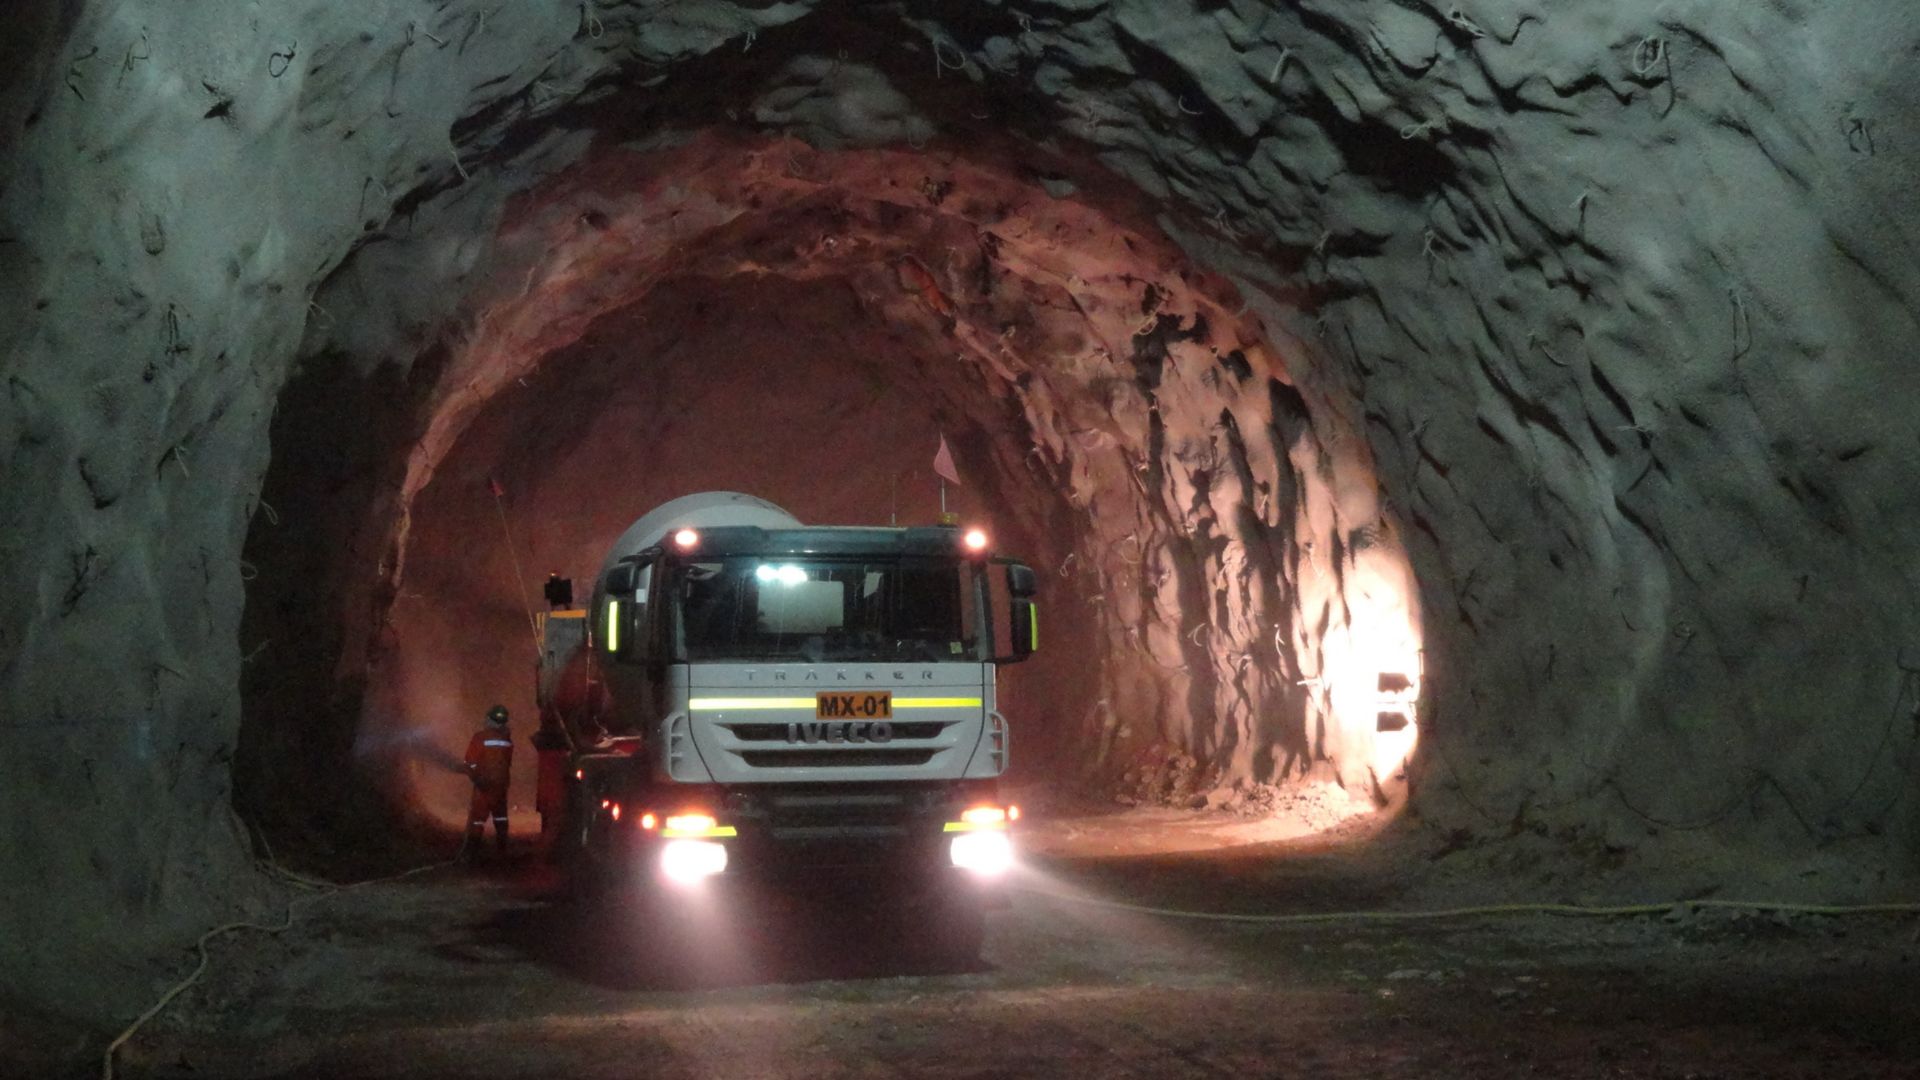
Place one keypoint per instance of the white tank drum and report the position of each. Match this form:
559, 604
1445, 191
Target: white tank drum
705, 510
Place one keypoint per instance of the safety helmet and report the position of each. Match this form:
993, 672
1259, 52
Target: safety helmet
497, 715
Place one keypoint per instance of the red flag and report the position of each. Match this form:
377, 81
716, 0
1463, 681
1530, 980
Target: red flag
943, 462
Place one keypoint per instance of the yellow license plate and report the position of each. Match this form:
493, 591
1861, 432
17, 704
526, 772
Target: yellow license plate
853, 705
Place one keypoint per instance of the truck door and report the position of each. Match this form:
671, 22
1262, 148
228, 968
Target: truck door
635, 666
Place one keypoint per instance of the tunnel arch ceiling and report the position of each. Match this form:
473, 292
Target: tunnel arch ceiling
1226, 571
1616, 296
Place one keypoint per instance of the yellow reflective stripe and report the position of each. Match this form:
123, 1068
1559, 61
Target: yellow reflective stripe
968, 826
1033, 620
613, 626
686, 834
710, 703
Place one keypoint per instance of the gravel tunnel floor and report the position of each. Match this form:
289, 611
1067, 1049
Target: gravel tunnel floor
483, 971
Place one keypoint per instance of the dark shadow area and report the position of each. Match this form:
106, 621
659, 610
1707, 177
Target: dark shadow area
313, 554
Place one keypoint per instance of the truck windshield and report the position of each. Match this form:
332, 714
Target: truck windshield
819, 610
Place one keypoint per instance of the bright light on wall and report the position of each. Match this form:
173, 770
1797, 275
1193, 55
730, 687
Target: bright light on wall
1371, 668
1376, 687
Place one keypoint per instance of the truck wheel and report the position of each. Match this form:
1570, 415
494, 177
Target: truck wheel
578, 869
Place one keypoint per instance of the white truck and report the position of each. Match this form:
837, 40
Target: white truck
747, 696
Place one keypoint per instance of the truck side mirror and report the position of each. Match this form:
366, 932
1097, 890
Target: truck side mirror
1025, 631
620, 579
1023, 614
616, 626
623, 623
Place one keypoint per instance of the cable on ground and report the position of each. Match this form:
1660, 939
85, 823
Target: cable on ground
320, 890
1488, 910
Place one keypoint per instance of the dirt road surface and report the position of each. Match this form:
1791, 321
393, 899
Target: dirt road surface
458, 973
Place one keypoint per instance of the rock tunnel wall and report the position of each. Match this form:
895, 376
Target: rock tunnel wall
1612, 299
1096, 377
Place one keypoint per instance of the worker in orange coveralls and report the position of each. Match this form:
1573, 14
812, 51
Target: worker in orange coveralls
489, 765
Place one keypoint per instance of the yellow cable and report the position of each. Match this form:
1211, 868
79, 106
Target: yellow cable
1579, 910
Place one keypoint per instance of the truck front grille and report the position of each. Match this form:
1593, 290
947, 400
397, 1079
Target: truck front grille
827, 759
918, 729
820, 822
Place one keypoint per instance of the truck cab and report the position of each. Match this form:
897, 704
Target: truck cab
778, 699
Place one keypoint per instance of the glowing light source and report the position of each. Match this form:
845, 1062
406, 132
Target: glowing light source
686, 538
767, 573
987, 854
696, 826
976, 540
616, 811
982, 818
685, 862
648, 821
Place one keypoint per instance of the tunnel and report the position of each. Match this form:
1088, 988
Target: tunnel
1479, 423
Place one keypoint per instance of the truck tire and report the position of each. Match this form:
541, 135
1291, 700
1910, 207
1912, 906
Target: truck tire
574, 852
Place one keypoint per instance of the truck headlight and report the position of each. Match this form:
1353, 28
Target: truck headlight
988, 854
684, 862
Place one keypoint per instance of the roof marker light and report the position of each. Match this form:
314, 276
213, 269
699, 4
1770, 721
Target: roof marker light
686, 538
976, 540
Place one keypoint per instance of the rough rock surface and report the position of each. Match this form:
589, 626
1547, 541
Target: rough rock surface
1597, 311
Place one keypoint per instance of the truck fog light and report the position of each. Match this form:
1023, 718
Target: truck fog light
984, 853
687, 861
